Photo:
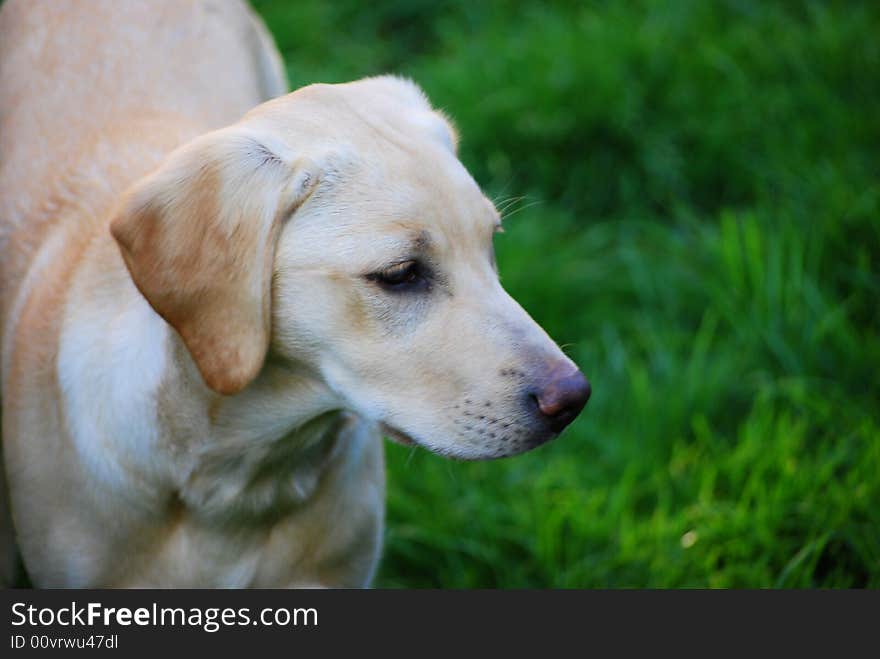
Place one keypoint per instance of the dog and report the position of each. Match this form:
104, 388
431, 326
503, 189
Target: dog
217, 297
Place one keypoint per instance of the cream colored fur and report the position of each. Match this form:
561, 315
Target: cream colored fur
197, 356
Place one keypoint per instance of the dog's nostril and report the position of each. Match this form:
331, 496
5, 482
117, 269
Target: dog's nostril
563, 397
534, 402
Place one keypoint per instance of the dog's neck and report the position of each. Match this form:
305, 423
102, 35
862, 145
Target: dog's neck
255, 454
266, 447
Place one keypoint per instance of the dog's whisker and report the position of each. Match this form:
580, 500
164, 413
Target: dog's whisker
507, 216
507, 204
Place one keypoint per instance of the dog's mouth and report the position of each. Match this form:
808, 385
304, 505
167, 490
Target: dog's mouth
397, 436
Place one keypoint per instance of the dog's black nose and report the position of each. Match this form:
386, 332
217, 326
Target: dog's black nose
562, 396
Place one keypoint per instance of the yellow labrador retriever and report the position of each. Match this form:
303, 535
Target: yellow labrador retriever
213, 304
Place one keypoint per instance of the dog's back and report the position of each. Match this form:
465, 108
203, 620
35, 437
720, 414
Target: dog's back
73, 72
83, 84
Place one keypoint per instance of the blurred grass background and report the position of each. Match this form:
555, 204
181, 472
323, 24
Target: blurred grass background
694, 213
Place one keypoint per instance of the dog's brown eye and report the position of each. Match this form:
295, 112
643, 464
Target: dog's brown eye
399, 276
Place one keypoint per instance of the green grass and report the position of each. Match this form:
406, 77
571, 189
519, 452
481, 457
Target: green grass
699, 226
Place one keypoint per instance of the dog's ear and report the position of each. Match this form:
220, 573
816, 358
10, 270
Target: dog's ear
198, 237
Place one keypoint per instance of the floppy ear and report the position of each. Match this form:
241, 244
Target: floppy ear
198, 237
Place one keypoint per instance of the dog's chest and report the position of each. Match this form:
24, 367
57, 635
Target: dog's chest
332, 539
316, 520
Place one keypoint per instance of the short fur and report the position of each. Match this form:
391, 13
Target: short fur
197, 351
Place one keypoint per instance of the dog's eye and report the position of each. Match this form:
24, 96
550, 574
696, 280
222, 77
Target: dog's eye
400, 276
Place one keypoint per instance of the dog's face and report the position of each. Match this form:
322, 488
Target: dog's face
367, 256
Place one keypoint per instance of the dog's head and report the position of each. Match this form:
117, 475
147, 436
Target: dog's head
336, 227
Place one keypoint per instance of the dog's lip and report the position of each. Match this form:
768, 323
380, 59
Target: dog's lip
396, 435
